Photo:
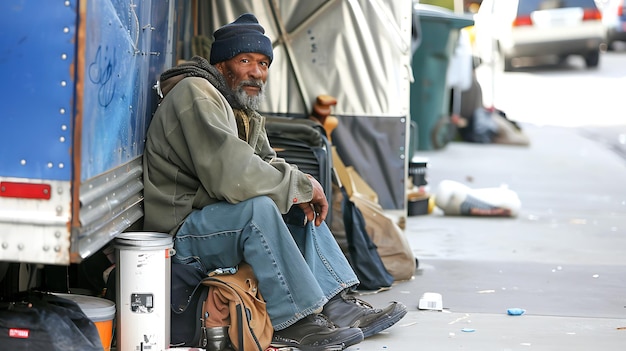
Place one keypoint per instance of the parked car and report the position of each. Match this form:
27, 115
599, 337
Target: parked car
511, 29
614, 18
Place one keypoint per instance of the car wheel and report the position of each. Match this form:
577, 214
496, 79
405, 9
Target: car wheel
442, 133
592, 59
610, 46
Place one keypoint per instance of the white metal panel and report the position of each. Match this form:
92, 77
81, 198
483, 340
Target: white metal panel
36, 230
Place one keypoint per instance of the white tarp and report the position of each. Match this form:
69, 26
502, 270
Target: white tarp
358, 51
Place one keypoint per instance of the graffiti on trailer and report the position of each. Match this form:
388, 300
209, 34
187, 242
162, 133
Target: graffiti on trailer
100, 73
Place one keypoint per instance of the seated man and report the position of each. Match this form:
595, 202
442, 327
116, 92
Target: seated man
213, 181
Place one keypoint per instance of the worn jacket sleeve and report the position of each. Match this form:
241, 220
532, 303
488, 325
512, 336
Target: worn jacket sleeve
226, 166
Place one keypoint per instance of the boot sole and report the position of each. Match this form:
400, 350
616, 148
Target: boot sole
337, 345
379, 325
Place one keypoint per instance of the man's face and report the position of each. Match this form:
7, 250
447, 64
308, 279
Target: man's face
246, 74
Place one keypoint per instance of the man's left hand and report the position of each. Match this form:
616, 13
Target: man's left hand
316, 209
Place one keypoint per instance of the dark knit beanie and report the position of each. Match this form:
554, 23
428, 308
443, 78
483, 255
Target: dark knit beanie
245, 34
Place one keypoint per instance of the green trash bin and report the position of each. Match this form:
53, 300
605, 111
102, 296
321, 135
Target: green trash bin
430, 97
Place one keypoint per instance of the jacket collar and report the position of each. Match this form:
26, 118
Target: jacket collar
197, 67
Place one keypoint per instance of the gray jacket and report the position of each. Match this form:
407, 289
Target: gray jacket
194, 157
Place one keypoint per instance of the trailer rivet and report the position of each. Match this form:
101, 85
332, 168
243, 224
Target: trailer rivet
63, 83
61, 165
57, 248
62, 139
23, 162
62, 111
67, 3
57, 234
63, 56
66, 29
46, 248
20, 246
5, 245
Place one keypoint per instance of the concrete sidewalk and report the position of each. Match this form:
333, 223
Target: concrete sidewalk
563, 259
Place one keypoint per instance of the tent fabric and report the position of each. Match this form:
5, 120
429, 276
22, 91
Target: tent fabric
358, 51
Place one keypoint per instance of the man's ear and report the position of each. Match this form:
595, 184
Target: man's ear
220, 67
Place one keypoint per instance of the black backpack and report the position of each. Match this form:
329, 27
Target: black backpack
43, 321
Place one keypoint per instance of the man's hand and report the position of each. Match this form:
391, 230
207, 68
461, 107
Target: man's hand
317, 209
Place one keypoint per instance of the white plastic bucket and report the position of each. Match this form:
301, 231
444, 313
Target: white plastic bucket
100, 311
143, 291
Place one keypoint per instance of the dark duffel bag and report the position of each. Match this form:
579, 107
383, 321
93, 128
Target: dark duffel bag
43, 321
187, 295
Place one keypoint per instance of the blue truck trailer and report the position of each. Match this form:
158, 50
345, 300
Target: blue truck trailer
76, 104
78, 97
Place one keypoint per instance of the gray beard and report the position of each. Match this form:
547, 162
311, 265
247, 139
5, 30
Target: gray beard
248, 101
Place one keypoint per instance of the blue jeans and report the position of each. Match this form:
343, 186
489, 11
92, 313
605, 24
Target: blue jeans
299, 267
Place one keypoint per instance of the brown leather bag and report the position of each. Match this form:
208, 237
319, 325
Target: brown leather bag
234, 300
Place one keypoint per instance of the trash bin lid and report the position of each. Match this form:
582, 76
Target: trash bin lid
438, 13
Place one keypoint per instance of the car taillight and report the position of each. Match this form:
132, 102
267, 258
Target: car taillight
25, 190
620, 9
591, 14
522, 21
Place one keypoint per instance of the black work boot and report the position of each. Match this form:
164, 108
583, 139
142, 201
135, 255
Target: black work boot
316, 332
348, 311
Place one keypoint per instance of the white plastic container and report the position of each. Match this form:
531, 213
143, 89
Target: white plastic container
431, 301
143, 291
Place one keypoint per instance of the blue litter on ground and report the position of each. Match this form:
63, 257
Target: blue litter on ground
515, 311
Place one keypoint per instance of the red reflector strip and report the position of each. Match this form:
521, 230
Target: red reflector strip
522, 21
25, 190
591, 14
19, 333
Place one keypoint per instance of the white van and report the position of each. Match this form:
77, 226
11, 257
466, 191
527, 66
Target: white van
510, 29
